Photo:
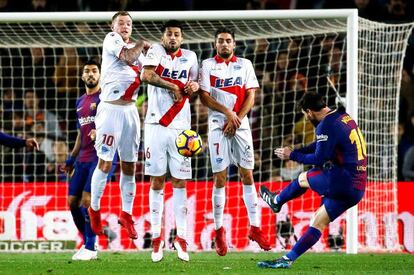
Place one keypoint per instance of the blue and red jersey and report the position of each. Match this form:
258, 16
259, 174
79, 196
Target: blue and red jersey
86, 107
339, 142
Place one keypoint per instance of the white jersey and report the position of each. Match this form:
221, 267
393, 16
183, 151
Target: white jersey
227, 84
118, 79
178, 69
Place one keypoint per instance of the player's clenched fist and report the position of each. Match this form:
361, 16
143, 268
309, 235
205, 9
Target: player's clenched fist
191, 87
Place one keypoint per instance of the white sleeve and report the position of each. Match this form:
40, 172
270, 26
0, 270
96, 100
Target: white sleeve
204, 76
114, 43
251, 79
141, 60
153, 56
194, 69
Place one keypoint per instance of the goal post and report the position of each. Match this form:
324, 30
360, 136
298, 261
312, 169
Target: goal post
332, 52
352, 109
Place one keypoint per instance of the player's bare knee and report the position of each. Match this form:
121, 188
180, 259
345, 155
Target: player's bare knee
321, 219
86, 199
178, 183
105, 166
319, 226
157, 183
128, 168
220, 179
73, 202
247, 176
303, 180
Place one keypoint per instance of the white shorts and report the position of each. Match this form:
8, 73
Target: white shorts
161, 151
237, 150
117, 128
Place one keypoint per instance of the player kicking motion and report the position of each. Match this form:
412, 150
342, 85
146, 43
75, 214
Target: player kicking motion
82, 161
339, 177
172, 73
227, 88
117, 120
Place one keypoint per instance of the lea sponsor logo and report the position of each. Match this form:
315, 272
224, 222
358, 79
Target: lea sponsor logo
228, 82
174, 74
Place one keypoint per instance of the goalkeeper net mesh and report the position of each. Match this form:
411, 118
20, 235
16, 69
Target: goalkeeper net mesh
40, 68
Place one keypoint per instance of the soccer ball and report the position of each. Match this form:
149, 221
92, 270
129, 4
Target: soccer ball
189, 143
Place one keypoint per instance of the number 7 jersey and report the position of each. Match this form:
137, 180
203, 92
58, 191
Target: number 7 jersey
227, 83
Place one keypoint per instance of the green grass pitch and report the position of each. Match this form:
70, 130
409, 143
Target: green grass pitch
204, 263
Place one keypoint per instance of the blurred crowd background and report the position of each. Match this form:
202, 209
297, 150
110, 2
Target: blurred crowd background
39, 86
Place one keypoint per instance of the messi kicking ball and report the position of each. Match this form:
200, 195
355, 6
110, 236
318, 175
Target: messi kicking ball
189, 143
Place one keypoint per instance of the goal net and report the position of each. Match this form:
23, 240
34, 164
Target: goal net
293, 52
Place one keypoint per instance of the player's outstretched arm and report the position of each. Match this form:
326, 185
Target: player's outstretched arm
211, 103
11, 141
132, 54
149, 76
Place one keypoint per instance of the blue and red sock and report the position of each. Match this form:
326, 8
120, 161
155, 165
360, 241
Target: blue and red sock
293, 190
90, 237
311, 236
79, 220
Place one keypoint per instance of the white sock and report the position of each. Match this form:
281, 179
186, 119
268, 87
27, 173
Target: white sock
250, 201
219, 200
128, 186
180, 211
98, 183
156, 202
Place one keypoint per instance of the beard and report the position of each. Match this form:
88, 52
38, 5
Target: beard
172, 49
225, 55
314, 122
91, 85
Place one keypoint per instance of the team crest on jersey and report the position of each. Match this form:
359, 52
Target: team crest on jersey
228, 82
219, 160
93, 106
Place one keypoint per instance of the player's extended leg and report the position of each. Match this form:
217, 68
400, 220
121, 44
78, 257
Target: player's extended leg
180, 213
76, 185
251, 201
98, 184
88, 251
308, 239
219, 201
75, 210
156, 203
128, 188
295, 189
79, 220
